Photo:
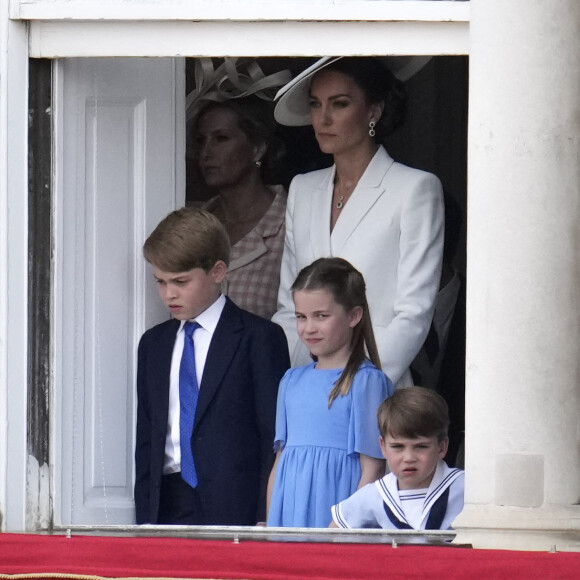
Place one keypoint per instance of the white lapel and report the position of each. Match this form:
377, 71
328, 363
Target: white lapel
389, 492
443, 477
369, 188
320, 197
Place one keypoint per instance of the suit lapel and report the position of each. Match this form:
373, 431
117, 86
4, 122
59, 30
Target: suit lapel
259, 249
162, 368
320, 205
368, 190
223, 346
267, 227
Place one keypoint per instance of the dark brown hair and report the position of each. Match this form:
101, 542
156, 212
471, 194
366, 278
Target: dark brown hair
413, 412
347, 286
379, 85
187, 238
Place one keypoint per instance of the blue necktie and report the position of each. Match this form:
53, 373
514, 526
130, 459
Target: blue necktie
188, 392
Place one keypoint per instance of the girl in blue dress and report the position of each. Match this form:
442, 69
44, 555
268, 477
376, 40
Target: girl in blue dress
327, 437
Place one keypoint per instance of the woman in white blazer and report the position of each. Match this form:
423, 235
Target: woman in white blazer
383, 217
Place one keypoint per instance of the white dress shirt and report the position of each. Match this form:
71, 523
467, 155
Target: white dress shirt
208, 321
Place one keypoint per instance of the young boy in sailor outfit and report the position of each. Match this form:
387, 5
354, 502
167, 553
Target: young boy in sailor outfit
421, 492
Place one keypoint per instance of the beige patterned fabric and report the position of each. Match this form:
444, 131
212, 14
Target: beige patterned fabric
254, 272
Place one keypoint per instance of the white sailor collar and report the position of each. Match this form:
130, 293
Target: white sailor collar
444, 476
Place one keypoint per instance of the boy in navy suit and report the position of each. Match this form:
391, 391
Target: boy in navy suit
207, 383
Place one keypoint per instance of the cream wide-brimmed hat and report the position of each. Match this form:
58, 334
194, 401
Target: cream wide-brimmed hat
293, 99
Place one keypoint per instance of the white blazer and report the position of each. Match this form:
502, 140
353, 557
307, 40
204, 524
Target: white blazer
391, 230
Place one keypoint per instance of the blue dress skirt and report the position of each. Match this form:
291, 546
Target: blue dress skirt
320, 465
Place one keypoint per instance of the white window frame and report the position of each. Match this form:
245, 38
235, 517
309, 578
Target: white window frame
231, 10
61, 28
163, 28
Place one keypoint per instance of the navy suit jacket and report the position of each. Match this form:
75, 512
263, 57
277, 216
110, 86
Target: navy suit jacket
233, 433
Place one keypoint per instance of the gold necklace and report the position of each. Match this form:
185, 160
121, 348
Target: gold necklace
341, 198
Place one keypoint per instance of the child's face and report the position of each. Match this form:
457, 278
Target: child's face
413, 461
188, 294
325, 327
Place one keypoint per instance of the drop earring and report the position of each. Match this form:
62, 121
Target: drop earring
372, 126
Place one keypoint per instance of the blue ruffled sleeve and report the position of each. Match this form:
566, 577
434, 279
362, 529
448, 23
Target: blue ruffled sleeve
281, 423
369, 389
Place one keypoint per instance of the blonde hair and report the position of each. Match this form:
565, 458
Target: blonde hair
185, 239
413, 412
347, 286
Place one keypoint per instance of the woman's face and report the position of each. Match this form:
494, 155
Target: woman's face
340, 113
225, 154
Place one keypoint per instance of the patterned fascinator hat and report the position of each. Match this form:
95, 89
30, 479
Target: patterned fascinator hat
234, 78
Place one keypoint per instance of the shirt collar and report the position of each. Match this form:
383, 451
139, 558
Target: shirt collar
210, 317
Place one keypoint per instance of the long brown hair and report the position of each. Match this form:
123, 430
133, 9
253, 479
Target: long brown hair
347, 286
